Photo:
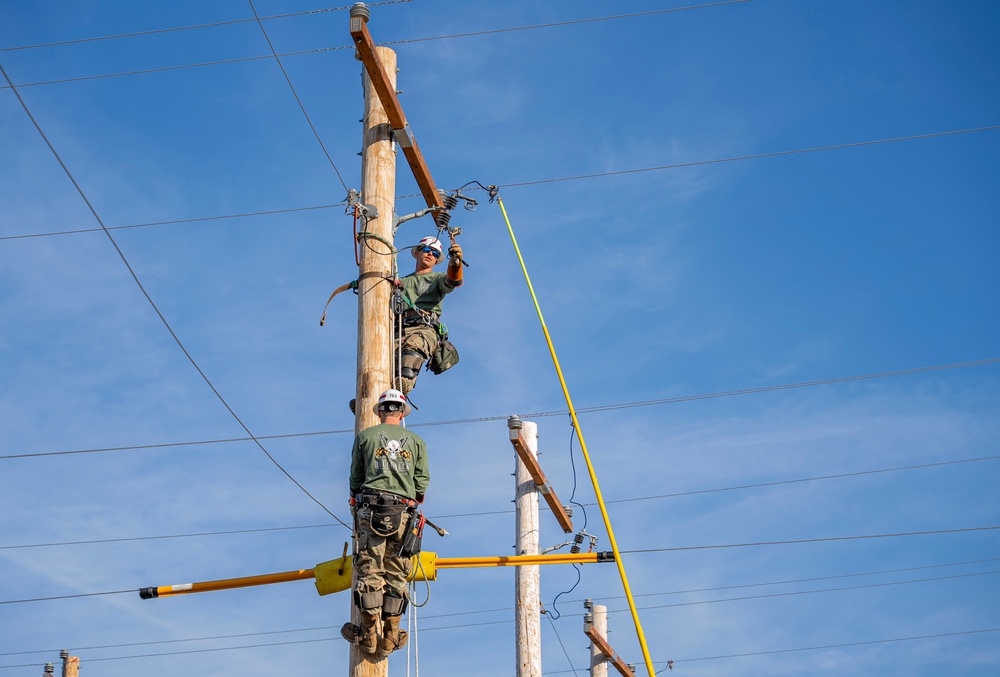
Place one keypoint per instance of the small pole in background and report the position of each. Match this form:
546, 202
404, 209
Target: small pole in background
597, 616
71, 664
527, 591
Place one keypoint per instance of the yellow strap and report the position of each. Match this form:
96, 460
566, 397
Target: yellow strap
583, 448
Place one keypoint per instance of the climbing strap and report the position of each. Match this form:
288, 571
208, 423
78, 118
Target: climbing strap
342, 288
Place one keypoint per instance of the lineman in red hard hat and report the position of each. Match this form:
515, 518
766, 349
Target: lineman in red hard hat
424, 291
389, 475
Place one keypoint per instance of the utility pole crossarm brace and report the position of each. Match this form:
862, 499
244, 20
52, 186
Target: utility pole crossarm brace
609, 653
535, 470
394, 110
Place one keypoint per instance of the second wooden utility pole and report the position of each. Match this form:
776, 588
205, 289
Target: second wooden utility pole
599, 618
527, 593
71, 664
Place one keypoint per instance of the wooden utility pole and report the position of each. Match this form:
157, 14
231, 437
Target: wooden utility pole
378, 191
600, 650
598, 614
71, 664
527, 594
378, 187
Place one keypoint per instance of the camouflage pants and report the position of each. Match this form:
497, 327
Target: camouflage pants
377, 564
419, 338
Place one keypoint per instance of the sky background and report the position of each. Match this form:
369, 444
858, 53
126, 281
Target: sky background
720, 199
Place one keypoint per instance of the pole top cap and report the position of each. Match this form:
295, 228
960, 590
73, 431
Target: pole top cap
359, 10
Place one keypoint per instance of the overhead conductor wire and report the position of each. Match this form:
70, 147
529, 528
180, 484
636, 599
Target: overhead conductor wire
296, 95
156, 308
583, 448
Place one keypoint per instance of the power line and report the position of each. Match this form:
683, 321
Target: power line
76, 596
156, 309
164, 69
190, 651
629, 552
268, 212
757, 156
756, 597
555, 672
176, 29
810, 648
837, 646
520, 184
545, 414
496, 512
167, 536
180, 444
559, 24
296, 95
173, 641
561, 645
507, 609
808, 479
808, 592
799, 541
394, 42
813, 579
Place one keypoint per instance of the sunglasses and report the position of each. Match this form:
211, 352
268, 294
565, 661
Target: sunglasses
431, 250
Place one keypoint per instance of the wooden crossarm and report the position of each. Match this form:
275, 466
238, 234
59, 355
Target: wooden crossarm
538, 477
609, 653
394, 111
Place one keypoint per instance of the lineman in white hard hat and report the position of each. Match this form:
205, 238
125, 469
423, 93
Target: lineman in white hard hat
424, 291
389, 475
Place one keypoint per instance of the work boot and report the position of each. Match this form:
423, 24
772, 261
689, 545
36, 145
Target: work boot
392, 637
355, 635
368, 638
351, 632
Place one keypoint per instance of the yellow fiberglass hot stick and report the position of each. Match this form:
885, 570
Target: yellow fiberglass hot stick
583, 448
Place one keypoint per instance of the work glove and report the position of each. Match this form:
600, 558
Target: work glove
455, 254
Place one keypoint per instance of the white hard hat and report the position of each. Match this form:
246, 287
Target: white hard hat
393, 395
429, 241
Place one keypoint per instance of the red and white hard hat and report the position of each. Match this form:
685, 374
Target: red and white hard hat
429, 241
394, 396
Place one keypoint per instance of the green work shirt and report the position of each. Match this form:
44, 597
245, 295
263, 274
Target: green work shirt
389, 458
427, 290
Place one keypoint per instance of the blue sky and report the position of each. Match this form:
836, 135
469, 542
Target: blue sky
778, 192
